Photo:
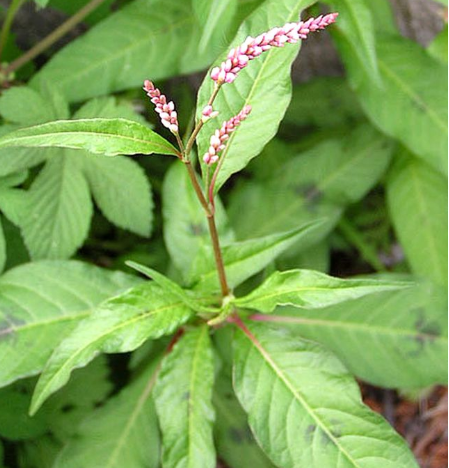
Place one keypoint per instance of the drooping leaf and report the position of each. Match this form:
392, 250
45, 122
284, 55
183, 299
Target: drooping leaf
109, 137
305, 408
37, 309
417, 200
145, 39
121, 433
244, 259
411, 104
264, 84
58, 212
185, 226
310, 290
392, 339
183, 395
119, 325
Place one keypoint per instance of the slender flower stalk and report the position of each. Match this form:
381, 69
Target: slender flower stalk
218, 139
166, 110
252, 47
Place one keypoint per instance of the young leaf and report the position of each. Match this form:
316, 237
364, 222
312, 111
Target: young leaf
417, 199
141, 40
119, 325
57, 215
392, 339
244, 259
305, 408
121, 433
265, 84
413, 96
183, 394
185, 226
102, 136
37, 310
310, 290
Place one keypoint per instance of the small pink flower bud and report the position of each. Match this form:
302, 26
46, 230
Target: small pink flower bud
166, 111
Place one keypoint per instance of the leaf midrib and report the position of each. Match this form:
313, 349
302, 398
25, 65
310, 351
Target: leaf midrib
290, 387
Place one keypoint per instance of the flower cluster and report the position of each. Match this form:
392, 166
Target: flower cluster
239, 57
166, 110
208, 113
218, 139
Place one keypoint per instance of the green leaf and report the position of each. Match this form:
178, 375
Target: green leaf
145, 39
119, 325
121, 433
244, 259
58, 211
392, 339
186, 230
13, 204
412, 103
212, 14
2, 248
305, 408
42, 3
417, 200
318, 183
183, 395
130, 209
265, 84
233, 437
37, 309
102, 136
355, 23
310, 290
438, 47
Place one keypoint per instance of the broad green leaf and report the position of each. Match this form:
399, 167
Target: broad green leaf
318, 183
417, 200
305, 408
38, 309
183, 395
355, 23
186, 230
438, 47
119, 325
58, 211
233, 437
264, 84
13, 204
310, 290
212, 14
152, 39
412, 103
109, 137
122, 433
130, 208
244, 259
392, 339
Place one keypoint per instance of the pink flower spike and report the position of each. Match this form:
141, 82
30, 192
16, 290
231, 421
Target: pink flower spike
208, 113
218, 139
166, 111
239, 57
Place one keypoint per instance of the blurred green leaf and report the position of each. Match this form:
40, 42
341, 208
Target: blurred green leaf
313, 405
438, 47
417, 200
37, 309
183, 395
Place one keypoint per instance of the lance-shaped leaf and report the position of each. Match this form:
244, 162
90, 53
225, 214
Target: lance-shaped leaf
183, 395
119, 325
265, 84
305, 408
123, 432
244, 259
38, 309
102, 136
417, 199
394, 339
311, 290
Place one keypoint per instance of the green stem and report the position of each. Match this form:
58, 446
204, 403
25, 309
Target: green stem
6, 27
356, 238
53, 37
